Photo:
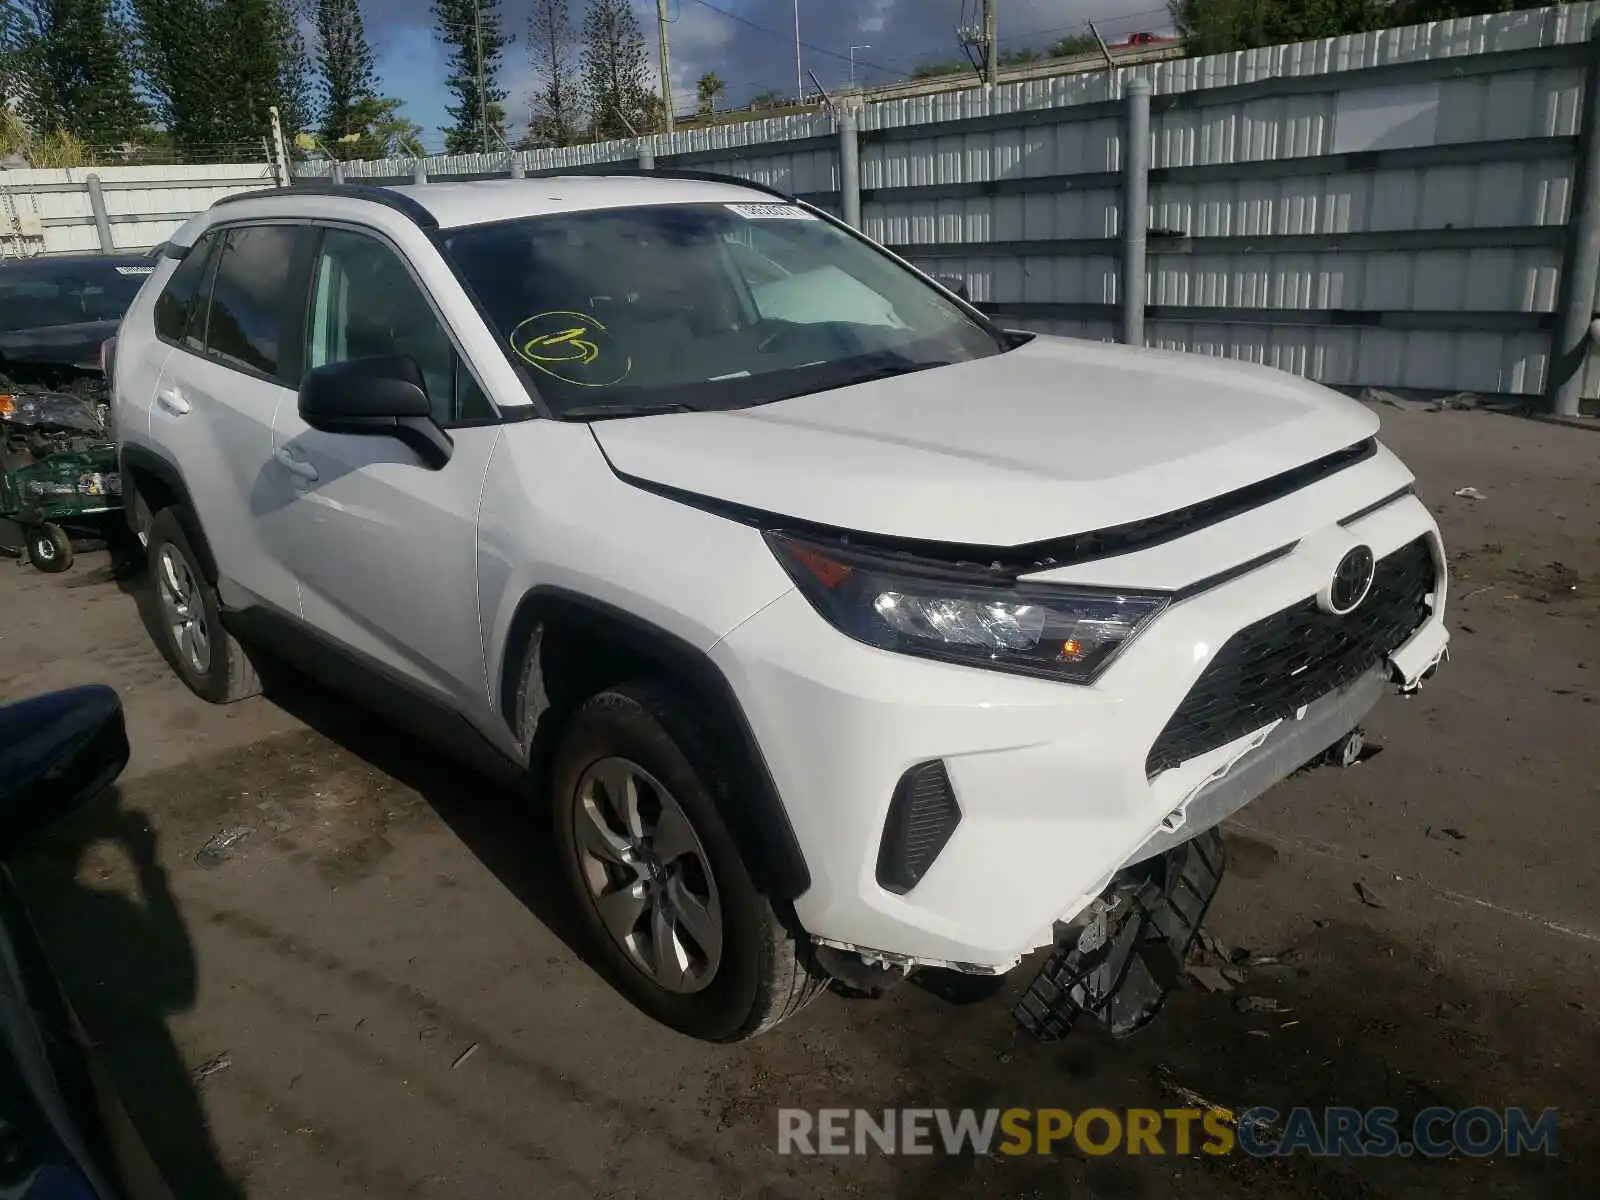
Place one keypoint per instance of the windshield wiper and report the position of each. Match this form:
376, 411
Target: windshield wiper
602, 412
887, 370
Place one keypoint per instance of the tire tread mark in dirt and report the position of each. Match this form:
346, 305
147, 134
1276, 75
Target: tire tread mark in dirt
640, 1116
352, 1164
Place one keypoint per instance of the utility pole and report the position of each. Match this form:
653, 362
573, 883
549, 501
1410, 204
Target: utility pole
991, 39
799, 71
483, 91
986, 40
666, 62
280, 155
853, 50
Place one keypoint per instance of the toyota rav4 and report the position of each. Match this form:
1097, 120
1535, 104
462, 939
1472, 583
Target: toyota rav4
847, 633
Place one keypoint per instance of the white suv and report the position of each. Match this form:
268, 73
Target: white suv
849, 633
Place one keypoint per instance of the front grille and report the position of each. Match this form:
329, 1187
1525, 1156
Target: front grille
1268, 670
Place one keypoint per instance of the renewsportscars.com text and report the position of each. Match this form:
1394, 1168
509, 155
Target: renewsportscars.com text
1259, 1132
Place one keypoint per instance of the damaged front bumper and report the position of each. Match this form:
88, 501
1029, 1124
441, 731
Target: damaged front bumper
1123, 955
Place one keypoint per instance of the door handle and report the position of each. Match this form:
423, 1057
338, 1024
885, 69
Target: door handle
171, 399
298, 467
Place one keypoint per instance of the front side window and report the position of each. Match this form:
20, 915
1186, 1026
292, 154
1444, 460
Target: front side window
250, 298
366, 304
704, 306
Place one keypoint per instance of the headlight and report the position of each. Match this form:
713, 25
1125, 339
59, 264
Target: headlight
1065, 633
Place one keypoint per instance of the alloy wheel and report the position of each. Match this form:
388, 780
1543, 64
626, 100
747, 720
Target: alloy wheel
648, 875
184, 612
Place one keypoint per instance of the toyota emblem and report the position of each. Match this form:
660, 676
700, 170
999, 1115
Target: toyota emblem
1352, 580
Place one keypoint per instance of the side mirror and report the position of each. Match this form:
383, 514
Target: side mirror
56, 752
956, 284
376, 397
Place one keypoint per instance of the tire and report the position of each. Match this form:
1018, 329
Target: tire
49, 548
213, 664
761, 973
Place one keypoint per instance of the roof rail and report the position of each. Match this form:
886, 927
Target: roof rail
667, 173
372, 193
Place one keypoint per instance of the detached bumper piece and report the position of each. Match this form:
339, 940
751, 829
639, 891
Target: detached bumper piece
1119, 961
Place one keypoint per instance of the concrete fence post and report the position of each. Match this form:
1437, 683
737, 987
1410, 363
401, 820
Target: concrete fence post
419, 171
1580, 264
338, 171
1135, 210
850, 168
518, 171
102, 222
647, 155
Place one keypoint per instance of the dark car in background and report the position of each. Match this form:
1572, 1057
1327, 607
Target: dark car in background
55, 313
58, 476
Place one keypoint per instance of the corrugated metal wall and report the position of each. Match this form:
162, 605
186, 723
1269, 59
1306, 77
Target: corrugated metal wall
1383, 209
144, 205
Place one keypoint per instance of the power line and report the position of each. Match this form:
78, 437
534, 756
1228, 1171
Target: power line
1144, 12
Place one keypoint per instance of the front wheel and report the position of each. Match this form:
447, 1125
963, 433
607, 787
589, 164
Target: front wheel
677, 921
49, 548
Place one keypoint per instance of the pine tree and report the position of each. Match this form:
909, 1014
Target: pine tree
70, 72
472, 31
553, 105
261, 62
344, 61
214, 68
181, 68
616, 70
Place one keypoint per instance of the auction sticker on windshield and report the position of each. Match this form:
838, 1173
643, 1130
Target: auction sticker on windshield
770, 212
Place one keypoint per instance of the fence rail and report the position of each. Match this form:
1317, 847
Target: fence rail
111, 209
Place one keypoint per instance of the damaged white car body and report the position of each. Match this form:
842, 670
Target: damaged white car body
851, 633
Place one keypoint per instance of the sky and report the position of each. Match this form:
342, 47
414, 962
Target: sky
749, 43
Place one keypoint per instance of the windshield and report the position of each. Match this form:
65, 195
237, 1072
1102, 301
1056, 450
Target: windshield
703, 306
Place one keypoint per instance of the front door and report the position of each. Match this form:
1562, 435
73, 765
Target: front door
385, 548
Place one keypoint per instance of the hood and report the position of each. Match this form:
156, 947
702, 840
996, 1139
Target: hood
1054, 438
73, 346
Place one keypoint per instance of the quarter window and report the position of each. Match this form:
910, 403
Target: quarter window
180, 308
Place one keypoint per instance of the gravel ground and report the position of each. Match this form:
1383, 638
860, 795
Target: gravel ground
376, 992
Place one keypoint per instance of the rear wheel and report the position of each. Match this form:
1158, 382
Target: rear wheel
206, 656
49, 548
677, 920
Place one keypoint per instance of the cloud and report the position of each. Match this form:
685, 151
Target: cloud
749, 43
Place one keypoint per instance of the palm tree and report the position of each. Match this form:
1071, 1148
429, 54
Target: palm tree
709, 88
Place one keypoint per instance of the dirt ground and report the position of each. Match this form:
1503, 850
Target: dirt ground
375, 992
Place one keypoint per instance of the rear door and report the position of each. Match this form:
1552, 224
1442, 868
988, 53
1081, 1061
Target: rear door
217, 396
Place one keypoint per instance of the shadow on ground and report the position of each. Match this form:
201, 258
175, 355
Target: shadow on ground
127, 966
507, 830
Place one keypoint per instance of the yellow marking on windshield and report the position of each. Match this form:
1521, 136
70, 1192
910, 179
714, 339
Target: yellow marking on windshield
565, 344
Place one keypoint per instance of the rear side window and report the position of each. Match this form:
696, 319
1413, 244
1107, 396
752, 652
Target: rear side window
181, 299
250, 298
